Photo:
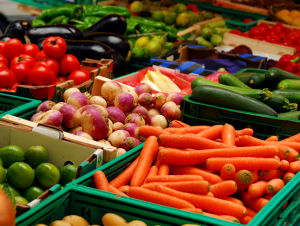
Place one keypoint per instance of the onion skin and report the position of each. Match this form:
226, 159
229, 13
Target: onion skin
143, 112
45, 106
117, 137
135, 118
145, 99
116, 114
110, 90
132, 129
143, 88
177, 98
130, 143
158, 100
78, 100
51, 118
124, 101
171, 111
71, 116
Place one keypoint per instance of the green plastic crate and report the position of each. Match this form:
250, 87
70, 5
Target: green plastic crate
50, 3
255, 70
17, 106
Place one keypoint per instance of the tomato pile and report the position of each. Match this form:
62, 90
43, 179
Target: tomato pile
25, 64
278, 34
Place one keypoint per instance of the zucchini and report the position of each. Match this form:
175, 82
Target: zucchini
290, 115
258, 94
275, 75
292, 95
244, 77
230, 99
280, 104
256, 81
231, 80
289, 84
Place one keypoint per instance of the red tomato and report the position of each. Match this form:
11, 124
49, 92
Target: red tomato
293, 37
272, 38
245, 35
41, 76
7, 78
286, 42
247, 20
52, 63
79, 76
21, 71
24, 58
265, 26
27, 84
2, 66
14, 88
31, 49
257, 31
288, 30
227, 18
40, 55
1, 46
54, 47
278, 26
258, 37
237, 32
67, 64
60, 80
12, 48
4, 60
297, 48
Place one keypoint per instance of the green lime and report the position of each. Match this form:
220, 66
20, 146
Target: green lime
47, 175
36, 155
138, 53
141, 42
180, 8
20, 175
157, 15
183, 19
136, 7
169, 17
67, 174
14, 191
32, 193
1, 163
20, 199
2, 175
153, 50
162, 41
11, 154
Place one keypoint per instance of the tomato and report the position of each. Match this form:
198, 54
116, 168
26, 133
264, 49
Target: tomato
297, 48
40, 55
258, 37
247, 20
2, 66
52, 63
31, 49
286, 42
24, 58
12, 48
60, 80
67, 64
41, 76
54, 47
7, 78
27, 84
21, 71
4, 60
237, 32
14, 88
227, 18
245, 35
1, 46
265, 26
288, 30
278, 26
257, 31
79, 76
293, 37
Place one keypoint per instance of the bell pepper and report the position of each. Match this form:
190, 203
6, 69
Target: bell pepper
103, 10
284, 61
146, 29
68, 10
132, 27
293, 67
60, 20
38, 22
172, 33
289, 63
150, 23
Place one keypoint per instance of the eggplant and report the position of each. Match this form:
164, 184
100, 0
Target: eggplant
114, 41
5, 38
112, 23
18, 29
40, 43
65, 31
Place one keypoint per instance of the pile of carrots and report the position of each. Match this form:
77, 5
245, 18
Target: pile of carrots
216, 170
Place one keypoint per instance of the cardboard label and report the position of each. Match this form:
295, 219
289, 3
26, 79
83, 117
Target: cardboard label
55, 134
34, 203
99, 154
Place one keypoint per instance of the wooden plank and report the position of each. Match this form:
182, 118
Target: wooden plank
30, 9
271, 24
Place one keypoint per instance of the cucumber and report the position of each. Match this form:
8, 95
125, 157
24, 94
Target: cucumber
258, 94
292, 95
275, 75
229, 99
256, 81
231, 80
290, 115
289, 84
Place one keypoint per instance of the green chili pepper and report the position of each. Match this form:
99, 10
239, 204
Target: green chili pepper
79, 26
103, 10
87, 21
60, 20
38, 22
172, 33
146, 29
150, 23
67, 10
132, 27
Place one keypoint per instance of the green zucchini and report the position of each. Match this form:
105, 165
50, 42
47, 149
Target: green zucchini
280, 104
258, 94
289, 84
256, 81
231, 80
229, 99
290, 115
244, 77
275, 75
292, 95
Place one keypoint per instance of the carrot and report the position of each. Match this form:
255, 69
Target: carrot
146, 158
294, 145
227, 171
254, 203
257, 189
124, 189
243, 179
154, 169
245, 220
234, 200
287, 177
295, 138
147, 131
255, 175
293, 154
163, 170
174, 178
294, 167
272, 138
276, 157
112, 189
246, 131
284, 165
196, 187
251, 212
248, 163
224, 188
158, 198
195, 210
269, 197
211, 133
178, 124
285, 205
125, 177
191, 129
228, 134
190, 170
101, 182
187, 141
210, 194
270, 174
223, 217
213, 205
274, 186
177, 157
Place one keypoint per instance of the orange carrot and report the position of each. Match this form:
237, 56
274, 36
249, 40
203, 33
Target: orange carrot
211, 133
196, 187
269, 197
285, 204
295, 138
223, 217
276, 157
195, 210
245, 220
255, 175
174, 178
243, 179
154, 169
178, 157
248, 163
274, 186
228, 134
272, 138
112, 189
191, 129
254, 203
257, 189
234, 200
284, 165
246, 131
213, 205
224, 188
101, 182
293, 154
178, 124
182, 141
190, 170
294, 145
158, 198
147, 131
270, 174
124, 189
210, 194
287, 177
251, 212
146, 158
125, 177
294, 167
164, 169
228, 171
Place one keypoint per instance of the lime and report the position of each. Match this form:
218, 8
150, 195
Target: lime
58, 168
162, 41
32, 193
67, 174
136, 7
20, 199
11, 154
2, 175
141, 42
183, 19
169, 17
180, 8
1, 163
138, 53
153, 50
36, 155
157, 15
20, 175
47, 175
14, 191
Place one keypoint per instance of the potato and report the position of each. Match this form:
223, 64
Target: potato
75, 220
111, 219
40, 225
60, 223
136, 223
